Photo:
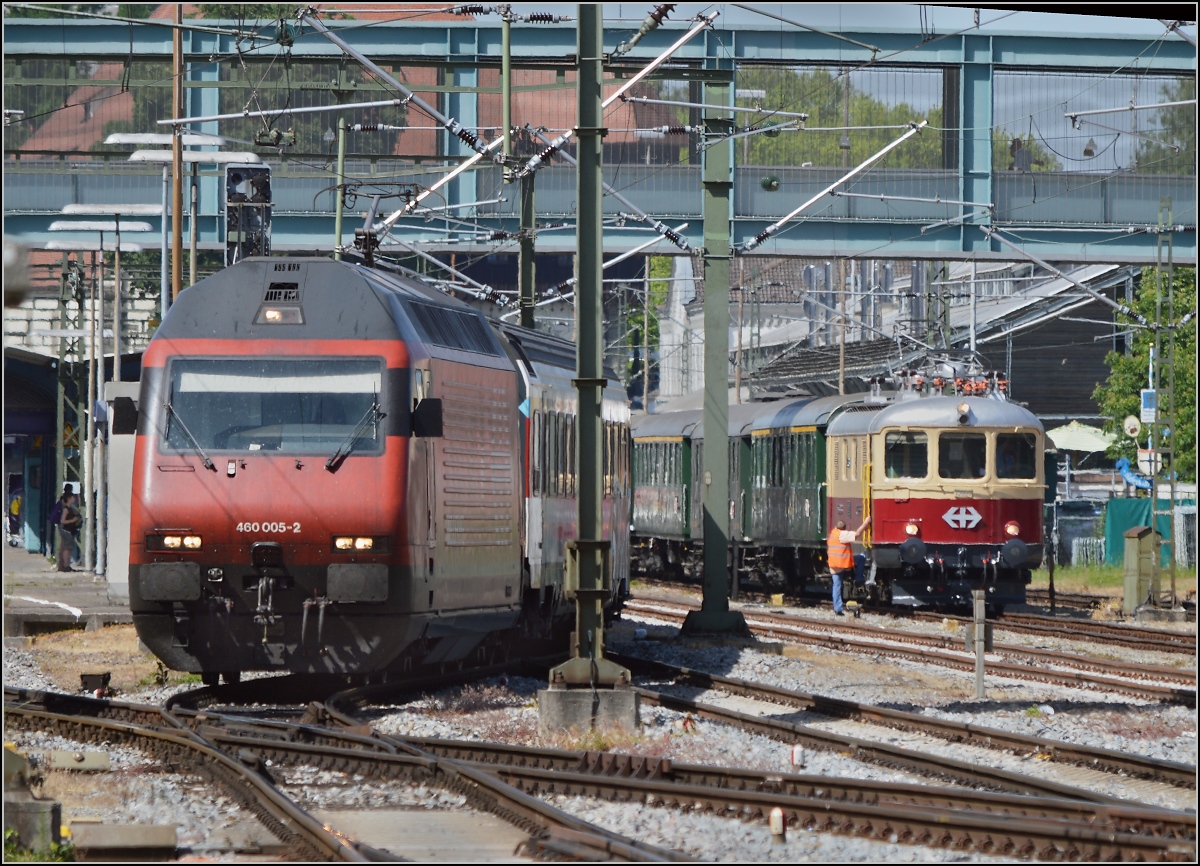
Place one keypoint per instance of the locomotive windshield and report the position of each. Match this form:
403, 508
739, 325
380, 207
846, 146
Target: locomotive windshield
962, 455
907, 455
308, 406
1016, 455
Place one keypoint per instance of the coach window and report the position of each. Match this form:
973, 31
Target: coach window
906, 455
962, 456
1016, 455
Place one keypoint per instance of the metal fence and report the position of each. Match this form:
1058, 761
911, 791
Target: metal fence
1086, 551
1184, 535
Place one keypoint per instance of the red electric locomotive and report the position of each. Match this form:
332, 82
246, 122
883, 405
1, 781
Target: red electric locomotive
331, 476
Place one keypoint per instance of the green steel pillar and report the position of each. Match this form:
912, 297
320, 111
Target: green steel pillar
506, 74
588, 574
714, 614
525, 253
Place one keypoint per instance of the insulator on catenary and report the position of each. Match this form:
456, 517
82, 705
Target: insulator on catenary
365, 127
469, 138
544, 18
474, 9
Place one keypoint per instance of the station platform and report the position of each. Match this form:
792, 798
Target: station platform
39, 599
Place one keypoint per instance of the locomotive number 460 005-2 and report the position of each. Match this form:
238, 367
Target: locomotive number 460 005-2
255, 526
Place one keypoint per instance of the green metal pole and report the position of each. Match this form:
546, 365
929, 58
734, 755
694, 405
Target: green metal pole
341, 179
591, 551
506, 75
525, 253
715, 615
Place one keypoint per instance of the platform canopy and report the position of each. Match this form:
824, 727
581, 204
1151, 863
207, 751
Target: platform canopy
1080, 437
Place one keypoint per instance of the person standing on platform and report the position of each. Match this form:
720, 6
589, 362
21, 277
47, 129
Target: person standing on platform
68, 523
841, 559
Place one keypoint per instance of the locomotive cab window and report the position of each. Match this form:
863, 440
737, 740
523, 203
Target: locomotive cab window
1016, 455
962, 455
906, 455
309, 406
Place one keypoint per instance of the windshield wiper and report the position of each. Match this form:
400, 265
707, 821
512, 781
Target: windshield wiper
371, 416
208, 464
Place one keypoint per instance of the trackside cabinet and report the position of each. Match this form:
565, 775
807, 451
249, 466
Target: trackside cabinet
1139, 566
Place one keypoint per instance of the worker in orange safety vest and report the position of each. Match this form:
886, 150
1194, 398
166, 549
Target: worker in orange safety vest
841, 559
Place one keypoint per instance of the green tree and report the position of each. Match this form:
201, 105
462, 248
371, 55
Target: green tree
660, 272
822, 95
1128, 374
1175, 127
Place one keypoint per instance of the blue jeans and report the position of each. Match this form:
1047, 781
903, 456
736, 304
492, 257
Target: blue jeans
838, 606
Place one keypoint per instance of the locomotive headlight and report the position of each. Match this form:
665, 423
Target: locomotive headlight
912, 529
192, 542
1012, 529
964, 412
171, 542
362, 543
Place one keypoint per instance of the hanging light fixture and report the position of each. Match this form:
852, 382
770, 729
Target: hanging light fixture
1089, 149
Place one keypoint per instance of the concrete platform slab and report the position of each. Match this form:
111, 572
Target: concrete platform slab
428, 836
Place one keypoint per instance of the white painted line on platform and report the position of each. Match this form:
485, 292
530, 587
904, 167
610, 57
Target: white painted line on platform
71, 610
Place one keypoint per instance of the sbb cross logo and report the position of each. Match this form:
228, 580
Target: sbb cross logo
962, 517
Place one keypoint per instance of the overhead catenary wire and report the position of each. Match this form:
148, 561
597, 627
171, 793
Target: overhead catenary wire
703, 21
774, 228
452, 125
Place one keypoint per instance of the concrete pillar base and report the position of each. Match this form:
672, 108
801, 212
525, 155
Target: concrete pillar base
38, 822
580, 710
706, 622
1160, 614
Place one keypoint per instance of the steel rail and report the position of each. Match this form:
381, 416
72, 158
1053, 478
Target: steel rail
1108, 760
1126, 669
177, 748
1029, 837
496, 797
798, 634
1028, 823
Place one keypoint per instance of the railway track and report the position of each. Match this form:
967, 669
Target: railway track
194, 740
1071, 628
1045, 827
87, 720
1088, 663
814, 632
1056, 751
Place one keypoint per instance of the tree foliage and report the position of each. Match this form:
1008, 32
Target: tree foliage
1173, 127
822, 94
1128, 374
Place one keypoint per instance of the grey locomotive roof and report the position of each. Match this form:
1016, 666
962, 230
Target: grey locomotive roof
937, 412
